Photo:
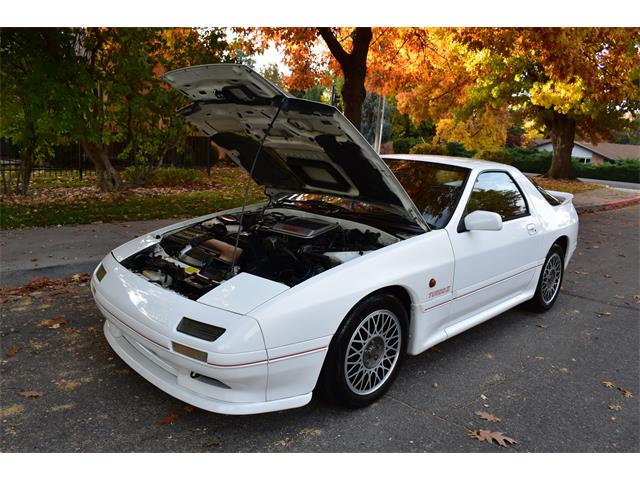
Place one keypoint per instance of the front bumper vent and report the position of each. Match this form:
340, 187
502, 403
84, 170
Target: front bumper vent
200, 330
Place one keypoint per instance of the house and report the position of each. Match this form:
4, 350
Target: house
596, 153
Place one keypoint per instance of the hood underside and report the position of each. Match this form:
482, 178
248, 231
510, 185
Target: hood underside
309, 147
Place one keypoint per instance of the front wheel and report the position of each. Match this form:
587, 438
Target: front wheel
366, 352
550, 280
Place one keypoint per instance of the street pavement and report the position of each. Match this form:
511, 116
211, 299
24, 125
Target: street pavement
541, 374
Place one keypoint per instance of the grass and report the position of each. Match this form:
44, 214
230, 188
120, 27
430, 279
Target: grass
79, 203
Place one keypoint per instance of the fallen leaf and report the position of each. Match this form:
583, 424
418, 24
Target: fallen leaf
491, 437
483, 396
168, 420
30, 393
190, 409
435, 350
488, 356
581, 273
621, 297
607, 384
625, 393
615, 407
539, 357
603, 313
606, 275
540, 326
214, 443
636, 297
487, 416
53, 323
12, 351
284, 443
563, 370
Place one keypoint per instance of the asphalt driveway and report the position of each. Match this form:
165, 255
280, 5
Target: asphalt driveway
65, 390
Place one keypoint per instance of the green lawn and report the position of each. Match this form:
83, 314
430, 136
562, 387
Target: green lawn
77, 203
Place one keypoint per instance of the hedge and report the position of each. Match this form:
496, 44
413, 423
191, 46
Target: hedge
622, 170
404, 145
429, 149
500, 155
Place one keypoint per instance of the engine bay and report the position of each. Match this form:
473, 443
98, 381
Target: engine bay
281, 246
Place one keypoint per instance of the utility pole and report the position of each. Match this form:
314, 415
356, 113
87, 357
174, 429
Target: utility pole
377, 143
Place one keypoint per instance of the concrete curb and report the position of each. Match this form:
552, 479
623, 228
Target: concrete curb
608, 206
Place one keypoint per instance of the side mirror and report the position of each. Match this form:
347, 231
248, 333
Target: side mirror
483, 220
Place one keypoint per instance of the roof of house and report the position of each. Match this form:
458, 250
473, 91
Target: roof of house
610, 151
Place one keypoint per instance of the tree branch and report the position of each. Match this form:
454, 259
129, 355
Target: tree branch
334, 46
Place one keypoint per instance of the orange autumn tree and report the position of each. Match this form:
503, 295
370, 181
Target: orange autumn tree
561, 82
375, 59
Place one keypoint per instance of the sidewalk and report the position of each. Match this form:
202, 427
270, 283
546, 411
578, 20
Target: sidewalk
63, 251
57, 252
605, 199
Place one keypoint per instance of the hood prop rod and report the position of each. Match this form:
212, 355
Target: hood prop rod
246, 187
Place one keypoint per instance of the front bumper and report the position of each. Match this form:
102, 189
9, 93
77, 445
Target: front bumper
140, 327
179, 384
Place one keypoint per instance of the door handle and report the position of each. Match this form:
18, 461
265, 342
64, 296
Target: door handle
531, 228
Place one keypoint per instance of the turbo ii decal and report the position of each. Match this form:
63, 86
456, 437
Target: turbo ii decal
439, 292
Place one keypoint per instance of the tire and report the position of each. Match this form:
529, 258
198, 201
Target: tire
550, 280
366, 352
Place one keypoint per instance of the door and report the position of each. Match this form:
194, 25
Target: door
492, 267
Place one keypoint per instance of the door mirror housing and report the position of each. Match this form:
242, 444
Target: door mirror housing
483, 220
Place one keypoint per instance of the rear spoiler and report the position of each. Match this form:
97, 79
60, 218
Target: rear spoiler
563, 197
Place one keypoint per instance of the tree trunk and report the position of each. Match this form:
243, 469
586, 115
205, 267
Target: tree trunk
354, 69
563, 131
353, 95
26, 167
107, 178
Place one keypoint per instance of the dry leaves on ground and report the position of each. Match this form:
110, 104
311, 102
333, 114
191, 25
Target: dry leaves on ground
603, 313
168, 420
487, 416
611, 385
13, 351
53, 323
39, 284
492, 437
214, 443
616, 407
30, 393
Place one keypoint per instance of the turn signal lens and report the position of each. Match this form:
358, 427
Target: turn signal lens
100, 273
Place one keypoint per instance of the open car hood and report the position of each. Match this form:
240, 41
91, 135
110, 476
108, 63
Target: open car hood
310, 148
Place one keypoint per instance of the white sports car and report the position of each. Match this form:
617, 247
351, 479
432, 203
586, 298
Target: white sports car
353, 262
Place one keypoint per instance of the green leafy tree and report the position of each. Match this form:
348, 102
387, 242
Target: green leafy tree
33, 113
99, 86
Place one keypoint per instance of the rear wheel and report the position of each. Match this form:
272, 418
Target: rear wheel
366, 352
550, 280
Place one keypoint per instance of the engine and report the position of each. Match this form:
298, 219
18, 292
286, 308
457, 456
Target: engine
284, 248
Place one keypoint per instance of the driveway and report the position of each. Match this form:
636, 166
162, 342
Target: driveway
65, 390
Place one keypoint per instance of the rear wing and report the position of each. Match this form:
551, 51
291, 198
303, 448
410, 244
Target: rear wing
563, 197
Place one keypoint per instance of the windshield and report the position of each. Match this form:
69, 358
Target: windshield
434, 188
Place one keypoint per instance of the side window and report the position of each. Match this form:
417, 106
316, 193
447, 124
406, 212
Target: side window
496, 192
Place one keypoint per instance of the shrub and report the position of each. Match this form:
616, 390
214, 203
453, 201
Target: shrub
622, 171
455, 149
429, 149
497, 155
404, 145
529, 160
162, 177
